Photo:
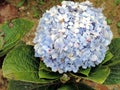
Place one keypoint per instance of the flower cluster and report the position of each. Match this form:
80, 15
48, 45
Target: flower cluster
72, 35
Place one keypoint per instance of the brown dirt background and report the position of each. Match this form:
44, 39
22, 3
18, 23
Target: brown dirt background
9, 11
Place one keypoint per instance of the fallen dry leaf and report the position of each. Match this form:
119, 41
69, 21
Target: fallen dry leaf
7, 12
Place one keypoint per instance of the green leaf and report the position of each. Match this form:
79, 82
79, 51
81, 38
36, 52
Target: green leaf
61, 0
43, 67
117, 2
20, 64
41, 2
84, 71
115, 60
1, 43
109, 21
14, 31
67, 87
1, 40
115, 47
18, 85
108, 57
114, 76
115, 50
45, 72
48, 75
36, 12
99, 75
21, 3
118, 24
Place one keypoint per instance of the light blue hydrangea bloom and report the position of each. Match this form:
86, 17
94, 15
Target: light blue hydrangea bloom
71, 36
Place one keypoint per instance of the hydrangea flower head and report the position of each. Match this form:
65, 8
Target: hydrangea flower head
71, 36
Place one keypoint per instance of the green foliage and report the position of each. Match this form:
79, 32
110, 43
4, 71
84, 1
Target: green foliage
115, 50
118, 24
117, 2
114, 63
41, 2
99, 75
84, 71
20, 3
114, 77
109, 21
108, 57
46, 73
36, 12
61, 0
13, 32
43, 67
18, 85
1, 40
20, 64
115, 47
1, 43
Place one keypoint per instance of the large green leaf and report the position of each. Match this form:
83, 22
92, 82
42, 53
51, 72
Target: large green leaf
20, 64
114, 61
114, 77
48, 75
14, 31
115, 50
18, 85
43, 67
108, 57
115, 47
84, 71
1, 43
45, 72
1, 40
99, 75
